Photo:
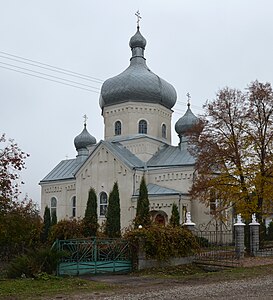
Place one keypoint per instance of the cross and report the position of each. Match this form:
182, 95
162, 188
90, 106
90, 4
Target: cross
189, 98
137, 14
85, 119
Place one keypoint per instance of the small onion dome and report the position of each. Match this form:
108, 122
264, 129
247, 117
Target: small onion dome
84, 139
185, 123
137, 40
137, 83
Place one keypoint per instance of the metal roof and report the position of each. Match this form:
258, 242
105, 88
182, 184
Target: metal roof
66, 169
169, 156
124, 154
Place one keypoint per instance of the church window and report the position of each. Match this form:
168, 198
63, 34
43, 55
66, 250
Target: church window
142, 126
73, 206
53, 206
164, 131
117, 128
103, 203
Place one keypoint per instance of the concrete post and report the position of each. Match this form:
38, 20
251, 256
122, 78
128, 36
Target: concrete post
254, 236
239, 227
141, 254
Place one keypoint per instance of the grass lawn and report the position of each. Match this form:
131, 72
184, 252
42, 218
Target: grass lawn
192, 273
33, 288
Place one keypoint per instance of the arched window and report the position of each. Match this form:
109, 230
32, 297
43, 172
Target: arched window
103, 203
53, 206
117, 128
142, 126
73, 202
164, 131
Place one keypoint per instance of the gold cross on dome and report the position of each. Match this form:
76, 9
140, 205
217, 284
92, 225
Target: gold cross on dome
85, 119
137, 14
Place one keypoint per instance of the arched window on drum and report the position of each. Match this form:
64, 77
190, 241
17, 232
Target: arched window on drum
117, 128
142, 127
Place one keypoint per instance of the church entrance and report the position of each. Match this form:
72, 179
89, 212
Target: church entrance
159, 217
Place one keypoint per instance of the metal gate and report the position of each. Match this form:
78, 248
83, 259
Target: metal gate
94, 256
217, 248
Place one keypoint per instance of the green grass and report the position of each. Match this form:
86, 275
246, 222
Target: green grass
193, 273
33, 289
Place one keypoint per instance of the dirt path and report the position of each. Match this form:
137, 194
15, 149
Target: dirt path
140, 287
258, 289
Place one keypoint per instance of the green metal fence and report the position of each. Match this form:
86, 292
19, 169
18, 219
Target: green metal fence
94, 256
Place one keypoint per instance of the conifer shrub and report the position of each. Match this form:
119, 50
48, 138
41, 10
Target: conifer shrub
46, 225
53, 218
143, 217
112, 224
175, 218
162, 243
90, 220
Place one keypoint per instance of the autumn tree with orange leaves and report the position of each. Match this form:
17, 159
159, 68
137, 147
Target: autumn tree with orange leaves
20, 223
233, 145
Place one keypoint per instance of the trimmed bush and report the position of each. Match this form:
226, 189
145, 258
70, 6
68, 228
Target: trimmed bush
66, 229
162, 243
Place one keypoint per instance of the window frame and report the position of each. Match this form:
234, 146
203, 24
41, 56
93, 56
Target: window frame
74, 206
117, 127
142, 126
53, 207
103, 204
164, 131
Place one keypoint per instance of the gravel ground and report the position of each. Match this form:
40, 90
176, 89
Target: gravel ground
259, 288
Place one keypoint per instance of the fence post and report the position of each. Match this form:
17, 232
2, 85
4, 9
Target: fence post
141, 254
239, 237
254, 236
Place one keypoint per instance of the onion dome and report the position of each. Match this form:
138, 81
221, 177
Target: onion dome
137, 40
137, 83
185, 123
84, 139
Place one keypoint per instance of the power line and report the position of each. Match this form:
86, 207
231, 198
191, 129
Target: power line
78, 87
192, 105
57, 69
40, 73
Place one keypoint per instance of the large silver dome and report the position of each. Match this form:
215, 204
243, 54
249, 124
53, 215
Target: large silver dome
137, 83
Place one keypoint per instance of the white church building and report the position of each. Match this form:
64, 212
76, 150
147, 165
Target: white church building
137, 111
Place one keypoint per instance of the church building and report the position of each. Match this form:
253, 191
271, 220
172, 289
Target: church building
137, 110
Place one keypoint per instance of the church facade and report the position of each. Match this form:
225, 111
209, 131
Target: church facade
137, 111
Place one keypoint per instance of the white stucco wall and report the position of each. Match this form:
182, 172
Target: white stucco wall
130, 113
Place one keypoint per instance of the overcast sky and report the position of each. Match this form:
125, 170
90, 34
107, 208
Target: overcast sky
199, 46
